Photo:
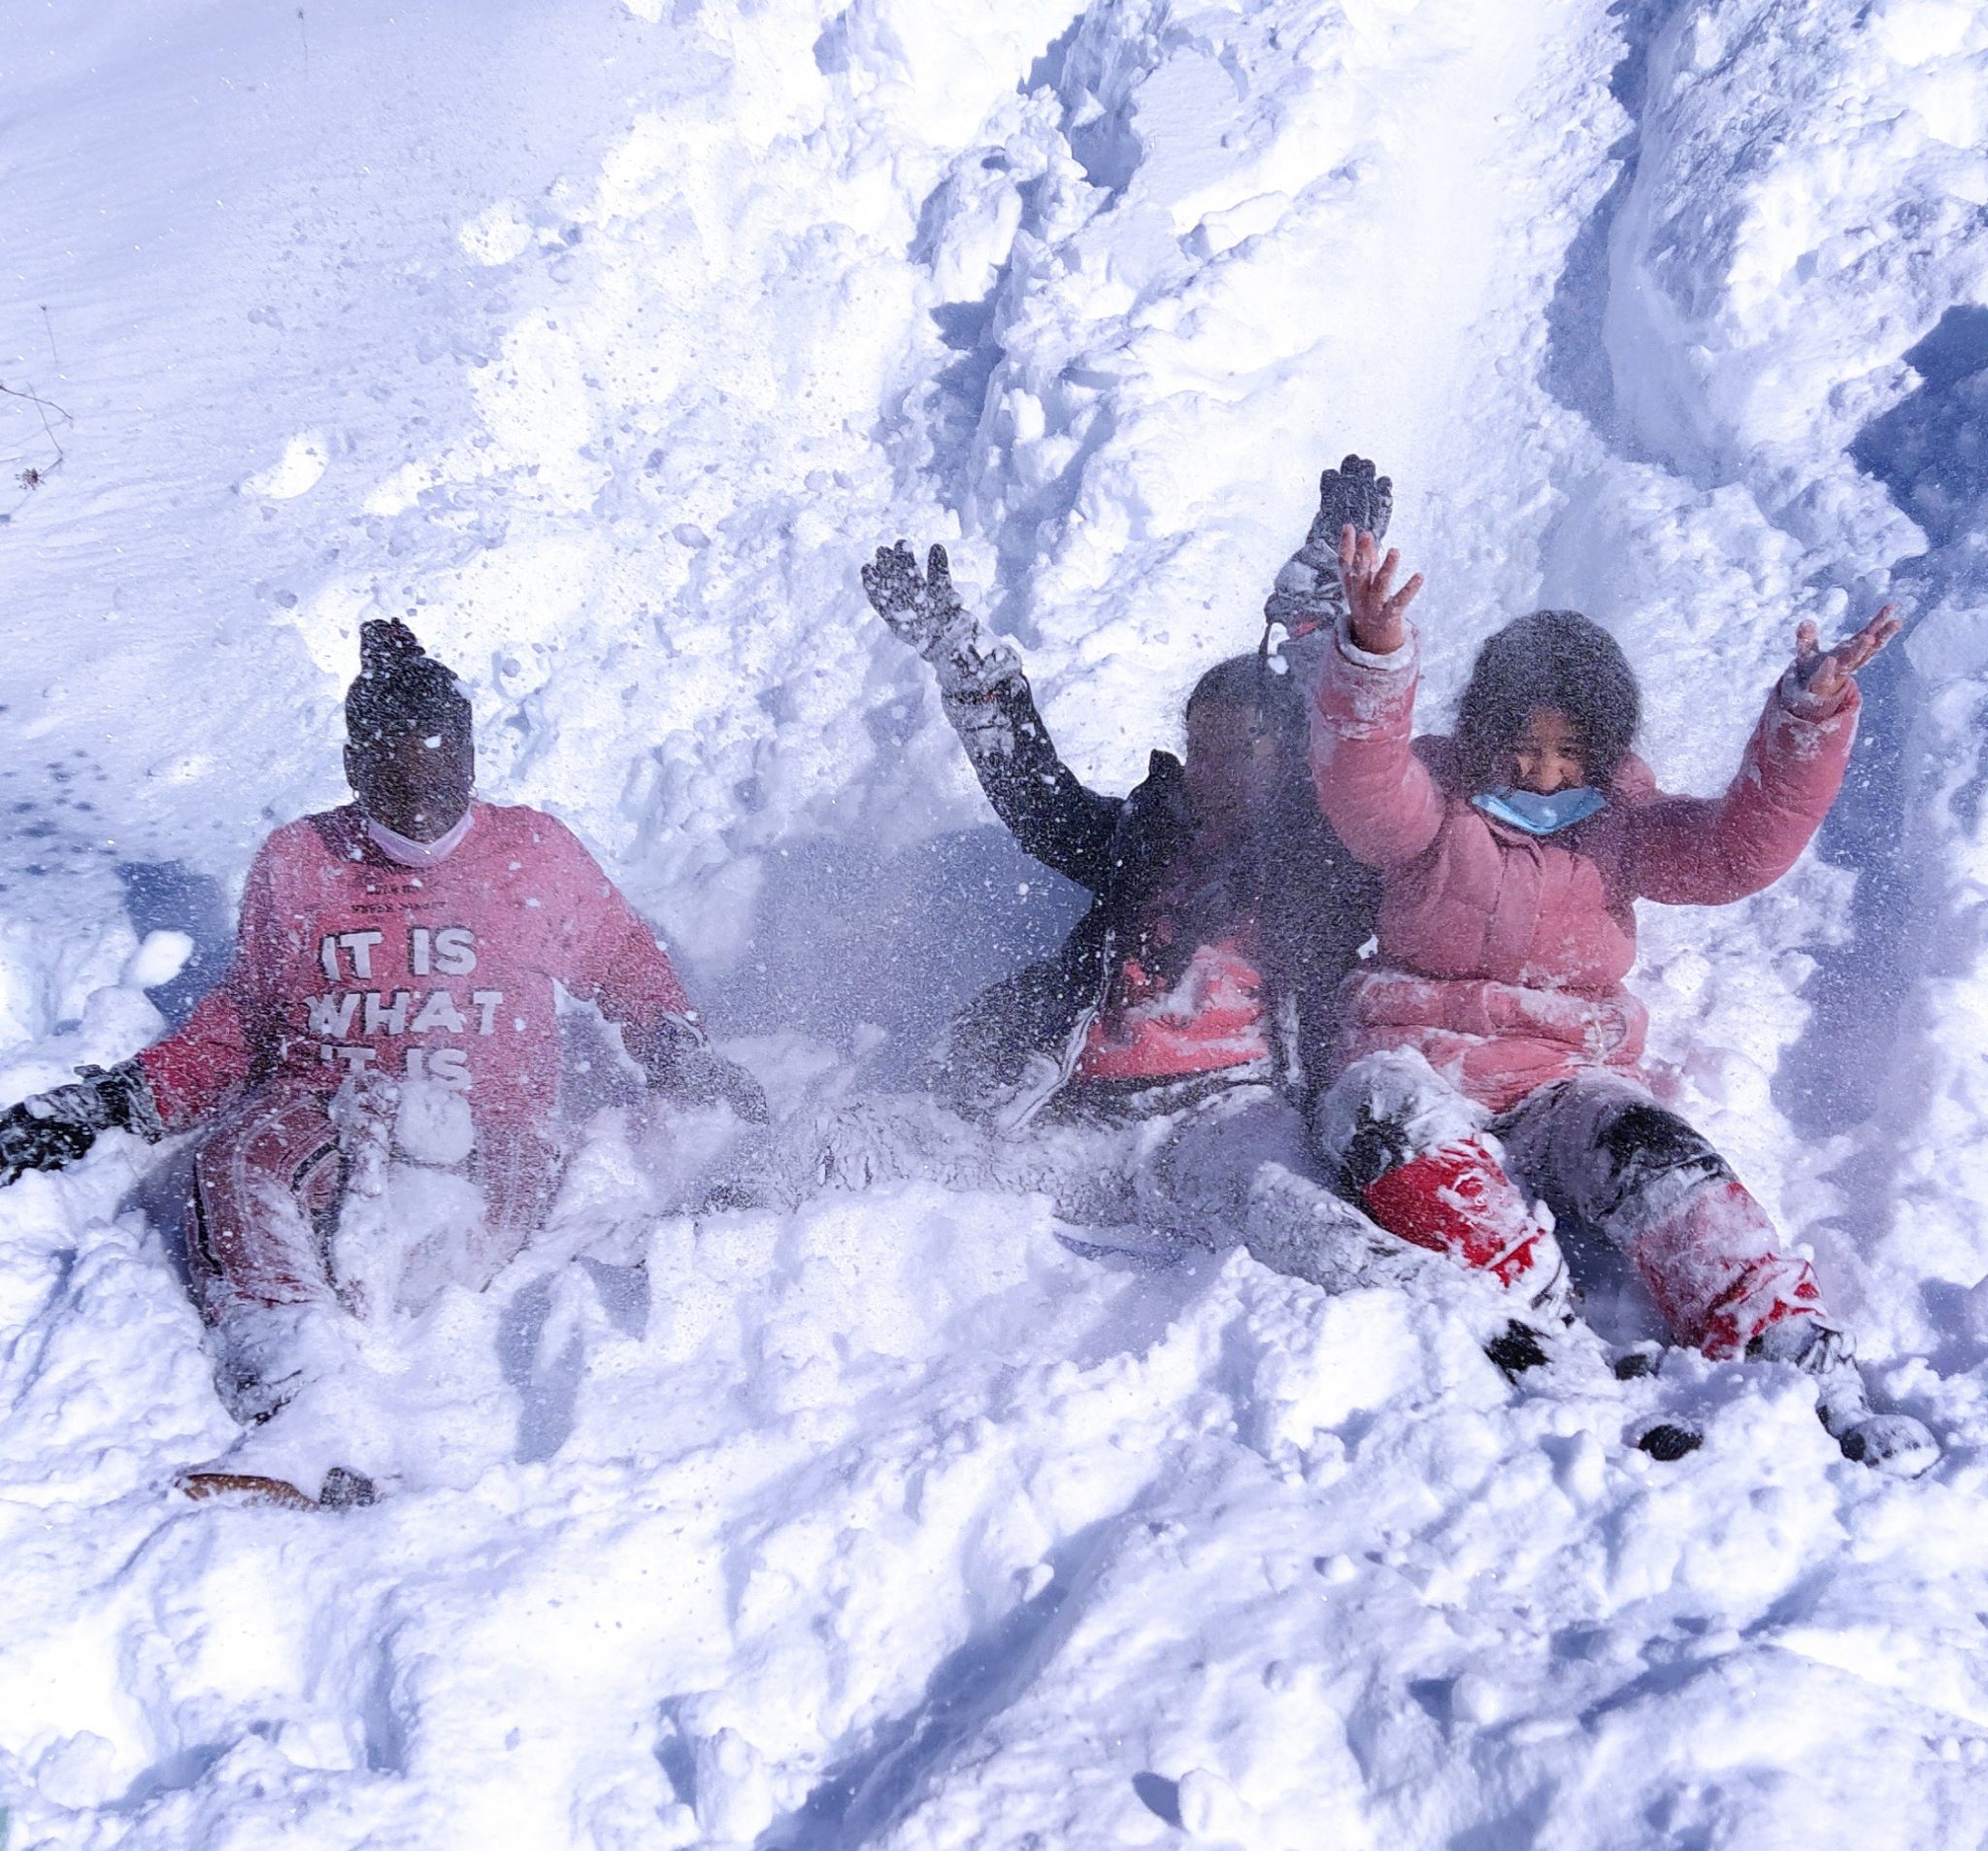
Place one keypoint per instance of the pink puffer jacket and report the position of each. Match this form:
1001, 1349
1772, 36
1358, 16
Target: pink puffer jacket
1502, 954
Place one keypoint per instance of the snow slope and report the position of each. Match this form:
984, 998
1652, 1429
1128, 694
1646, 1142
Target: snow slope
604, 341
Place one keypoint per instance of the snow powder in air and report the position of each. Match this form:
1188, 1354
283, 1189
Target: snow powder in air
603, 342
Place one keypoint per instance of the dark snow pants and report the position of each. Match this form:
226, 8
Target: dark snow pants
1447, 1172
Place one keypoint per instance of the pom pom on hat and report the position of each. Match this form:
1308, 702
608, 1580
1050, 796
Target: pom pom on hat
400, 687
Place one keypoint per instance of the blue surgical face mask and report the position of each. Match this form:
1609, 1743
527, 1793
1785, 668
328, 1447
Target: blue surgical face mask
1540, 816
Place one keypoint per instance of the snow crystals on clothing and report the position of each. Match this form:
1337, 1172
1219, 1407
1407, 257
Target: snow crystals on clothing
609, 353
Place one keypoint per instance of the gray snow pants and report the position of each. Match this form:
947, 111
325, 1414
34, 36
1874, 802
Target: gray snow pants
1208, 1165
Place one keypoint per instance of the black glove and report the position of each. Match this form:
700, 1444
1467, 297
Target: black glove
924, 611
1352, 496
700, 1077
55, 1128
927, 613
1307, 595
682, 1065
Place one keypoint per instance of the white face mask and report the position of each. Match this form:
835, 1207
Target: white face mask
419, 855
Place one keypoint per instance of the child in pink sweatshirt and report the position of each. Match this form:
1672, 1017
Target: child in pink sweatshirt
409, 944
1491, 1054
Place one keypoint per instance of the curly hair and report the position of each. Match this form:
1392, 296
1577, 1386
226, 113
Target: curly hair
1552, 658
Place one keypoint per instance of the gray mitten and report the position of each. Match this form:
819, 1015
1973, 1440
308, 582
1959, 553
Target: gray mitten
1308, 594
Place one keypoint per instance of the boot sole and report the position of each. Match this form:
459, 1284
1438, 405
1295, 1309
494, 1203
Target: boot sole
201, 1486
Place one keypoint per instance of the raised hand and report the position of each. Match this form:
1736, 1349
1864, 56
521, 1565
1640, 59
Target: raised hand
1377, 613
894, 588
1309, 594
1353, 496
920, 610
1824, 677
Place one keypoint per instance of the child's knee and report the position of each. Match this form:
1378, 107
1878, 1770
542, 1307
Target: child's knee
1646, 1160
1386, 1108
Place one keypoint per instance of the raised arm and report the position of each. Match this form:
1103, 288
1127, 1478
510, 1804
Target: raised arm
1708, 851
1376, 794
1308, 598
986, 698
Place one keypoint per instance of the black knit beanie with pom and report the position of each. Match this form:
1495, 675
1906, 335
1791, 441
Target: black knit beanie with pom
400, 687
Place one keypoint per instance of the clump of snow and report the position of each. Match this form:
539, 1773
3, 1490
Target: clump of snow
432, 1124
891, 1520
499, 234
158, 960
296, 471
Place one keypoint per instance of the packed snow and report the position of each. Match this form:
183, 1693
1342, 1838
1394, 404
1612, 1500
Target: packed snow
603, 341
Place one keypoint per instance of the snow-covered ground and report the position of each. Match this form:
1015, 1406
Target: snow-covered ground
605, 339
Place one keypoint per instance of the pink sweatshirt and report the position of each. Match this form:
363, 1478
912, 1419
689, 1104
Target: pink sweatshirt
1502, 954
346, 958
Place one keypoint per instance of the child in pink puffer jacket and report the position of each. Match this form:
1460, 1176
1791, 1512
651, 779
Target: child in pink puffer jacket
1492, 1055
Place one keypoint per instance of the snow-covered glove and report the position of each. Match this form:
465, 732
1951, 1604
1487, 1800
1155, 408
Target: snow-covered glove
682, 1065
921, 608
55, 1128
925, 611
1353, 496
1307, 594
703, 1076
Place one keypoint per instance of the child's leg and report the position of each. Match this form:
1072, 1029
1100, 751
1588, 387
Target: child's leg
885, 1138
1600, 1148
266, 1192
517, 1174
880, 1138
1419, 1157
268, 1187
1238, 1167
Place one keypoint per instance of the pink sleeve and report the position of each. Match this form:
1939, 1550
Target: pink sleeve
1705, 851
198, 1067
1376, 794
619, 966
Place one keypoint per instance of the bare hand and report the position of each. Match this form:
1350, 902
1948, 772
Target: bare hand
1824, 677
1377, 619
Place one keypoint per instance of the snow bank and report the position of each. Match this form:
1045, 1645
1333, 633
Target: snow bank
1801, 234
606, 354
897, 1523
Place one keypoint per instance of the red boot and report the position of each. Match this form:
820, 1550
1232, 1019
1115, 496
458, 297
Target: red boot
1459, 1201
1709, 1263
